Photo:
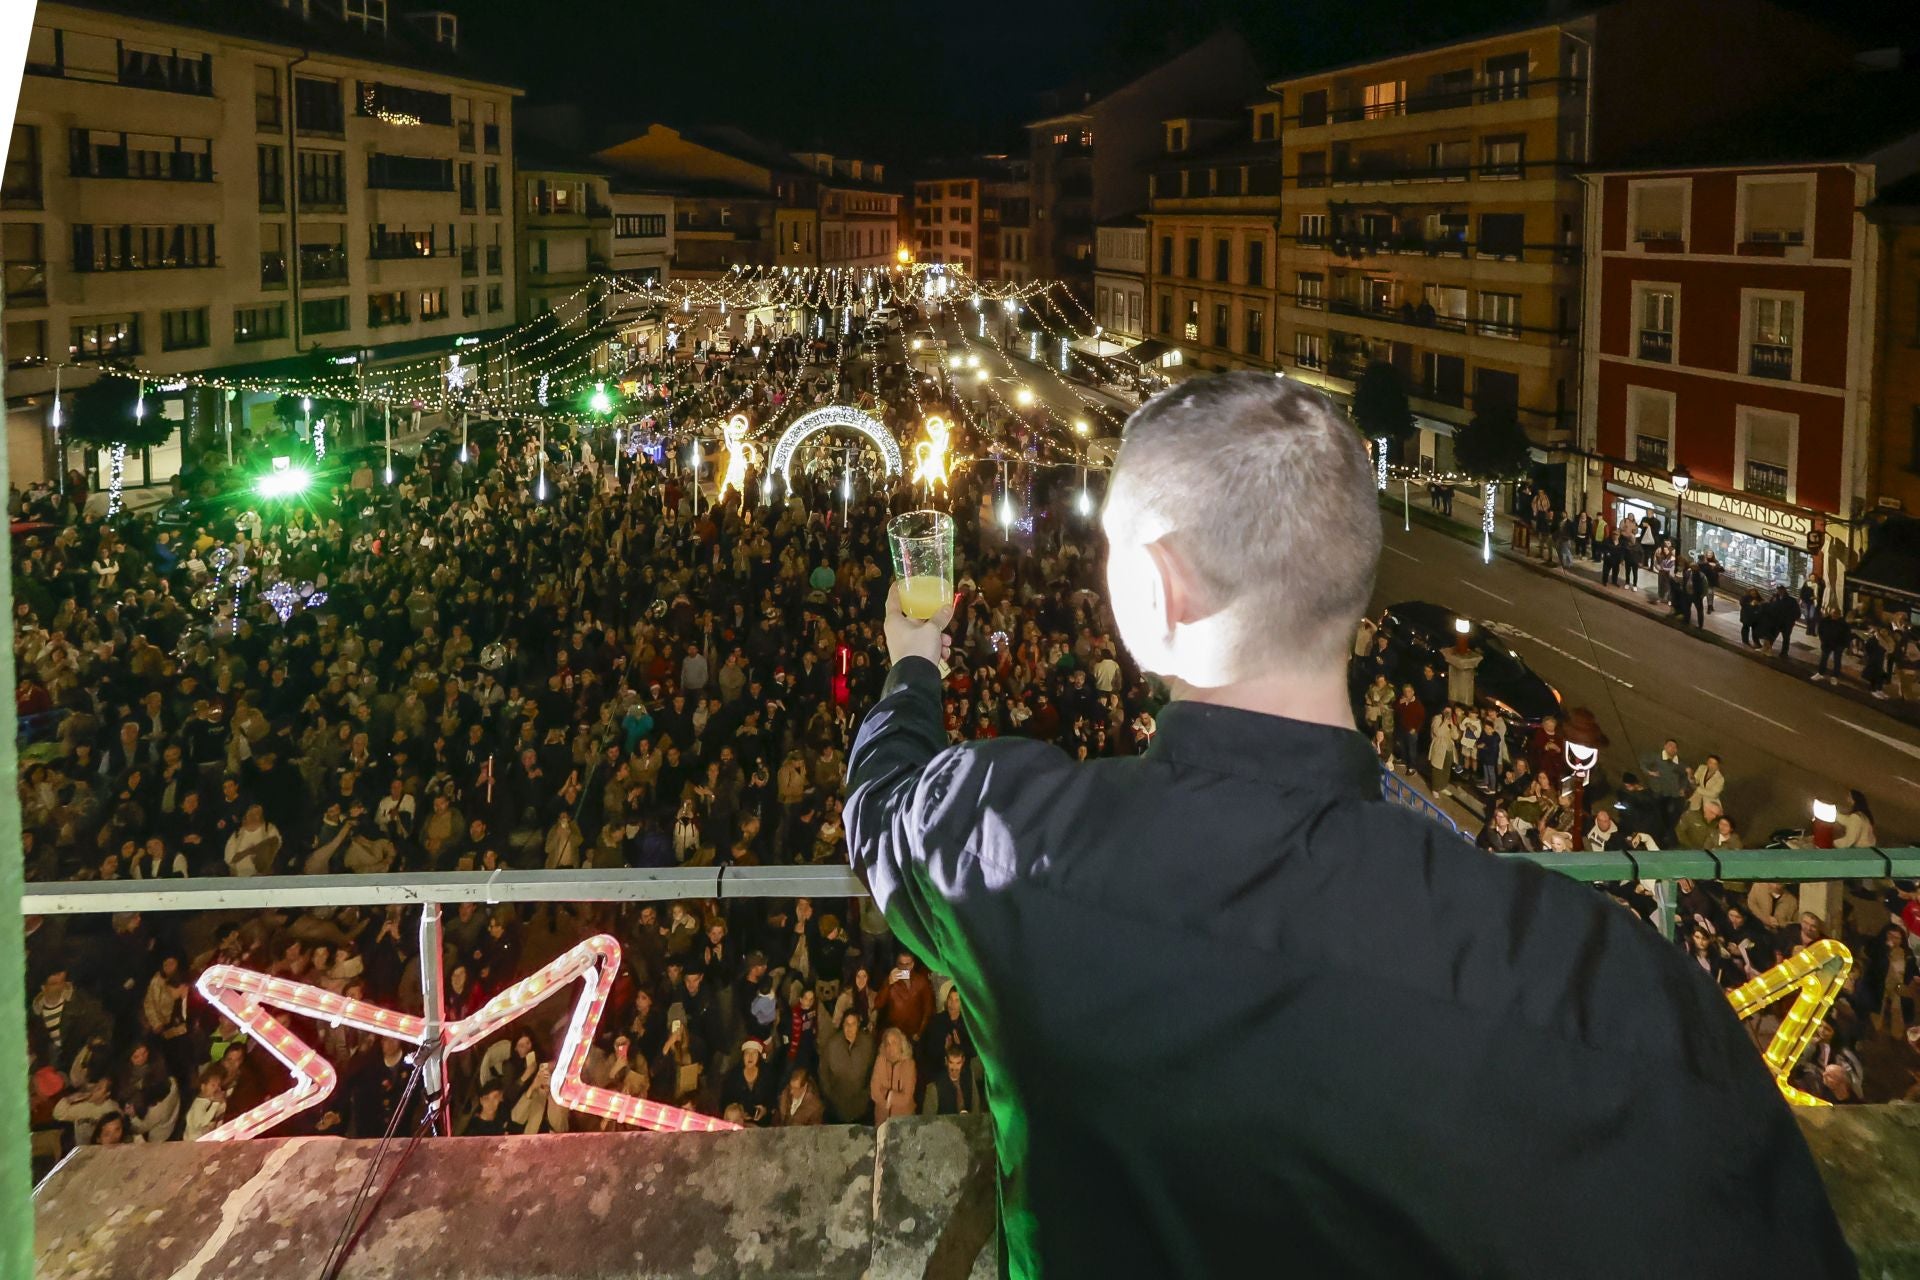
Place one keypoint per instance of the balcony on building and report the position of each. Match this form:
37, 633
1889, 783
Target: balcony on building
26, 284
469, 260
1657, 345
399, 244
1767, 360
323, 264
1767, 480
389, 172
400, 105
273, 269
493, 259
75, 55
97, 153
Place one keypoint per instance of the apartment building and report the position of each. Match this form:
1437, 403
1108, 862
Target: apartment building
1213, 228
243, 197
563, 233
858, 215
947, 222
1120, 277
1435, 214
1089, 157
1737, 310
1006, 220
642, 231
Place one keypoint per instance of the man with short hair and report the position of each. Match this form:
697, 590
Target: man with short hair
1513, 1015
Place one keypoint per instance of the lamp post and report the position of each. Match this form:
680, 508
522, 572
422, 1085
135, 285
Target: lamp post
1681, 479
1825, 816
1461, 664
1582, 747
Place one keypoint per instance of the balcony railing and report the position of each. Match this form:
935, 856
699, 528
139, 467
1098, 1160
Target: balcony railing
390, 247
469, 261
1310, 301
1651, 451
1770, 360
149, 166
26, 282
1656, 344
467, 202
174, 72
1766, 480
493, 259
273, 270
323, 265
464, 129
390, 172
1652, 241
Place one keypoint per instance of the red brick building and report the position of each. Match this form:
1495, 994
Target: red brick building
1732, 299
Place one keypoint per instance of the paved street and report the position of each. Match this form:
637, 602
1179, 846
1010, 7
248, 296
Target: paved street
1784, 740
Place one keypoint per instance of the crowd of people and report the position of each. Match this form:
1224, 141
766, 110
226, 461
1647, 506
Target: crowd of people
569, 660
601, 677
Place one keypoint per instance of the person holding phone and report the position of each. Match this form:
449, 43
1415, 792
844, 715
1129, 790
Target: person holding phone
1530, 1081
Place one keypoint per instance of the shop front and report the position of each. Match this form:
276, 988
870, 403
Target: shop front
1758, 543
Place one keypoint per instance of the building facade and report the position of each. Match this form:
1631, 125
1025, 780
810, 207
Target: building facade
1006, 221
1213, 231
642, 232
1120, 277
858, 216
186, 199
947, 222
564, 233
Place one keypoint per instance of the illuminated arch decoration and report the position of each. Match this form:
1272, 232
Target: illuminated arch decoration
243, 997
1814, 977
809, 425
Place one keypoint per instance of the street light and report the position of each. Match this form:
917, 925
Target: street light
1825, 815
1681, 479
1461, 629
1080, 425
1023, 397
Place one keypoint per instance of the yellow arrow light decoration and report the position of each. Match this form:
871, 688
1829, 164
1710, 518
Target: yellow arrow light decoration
1814, 976
739, 456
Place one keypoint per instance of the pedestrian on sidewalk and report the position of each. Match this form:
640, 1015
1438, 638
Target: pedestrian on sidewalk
1602, 532
1409, 719
1630, 559
1699, 593
1611, 553
1443, 739
1710, 565
1582, 531
1835, 635
1667, 780
1663, 564
1708, 782
1677, 597
1906, 660
1752, 609
1873, 667
1563, 545
1782, 613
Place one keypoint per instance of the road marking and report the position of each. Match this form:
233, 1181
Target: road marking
1895, 743
1515, 633
1483, 591
1602, 643
1397, 551
1750, 711
1909, 781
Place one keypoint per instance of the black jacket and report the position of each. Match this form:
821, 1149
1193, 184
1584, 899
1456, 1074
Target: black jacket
1320, 1023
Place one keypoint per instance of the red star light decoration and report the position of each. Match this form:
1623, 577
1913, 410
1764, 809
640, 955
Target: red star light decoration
243, 997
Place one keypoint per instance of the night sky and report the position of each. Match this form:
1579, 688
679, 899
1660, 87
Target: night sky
904, 81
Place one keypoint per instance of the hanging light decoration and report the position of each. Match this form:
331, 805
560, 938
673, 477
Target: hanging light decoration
1486, 521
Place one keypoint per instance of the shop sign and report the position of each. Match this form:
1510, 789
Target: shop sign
1774, 519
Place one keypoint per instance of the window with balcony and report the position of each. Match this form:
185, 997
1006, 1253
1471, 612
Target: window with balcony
183, 329
260, 324
1774, 214
142, 246
1771, 326
1650, 415
1500, 315
325, 315
489, 128
1166, 255
493, 298
433, 304
1382, 98
1313, 169
398, 104
470, 300
1445, 306
167, 69
1503, 157
26, 344
1266, 124
639, 226
25, 264
266, 99
1166, 314
389, 308
1222, 337
1444, 89
1506, 77
1191, 328
389, 172
1443, 379
1313, 108
1503, 235
113, 337
1309, 351
1766, 445
493, 257
1310, 290
98, 153
1657, 214
1446, 234
468, 204
1449, 161
493, 188
399, 242
21, 187
323, 253
273, 255
1222, 259
270, 170
322, 180
317, 108
1256, 337
1193, 257
463, 122
1656, 309
1313, 228
1256, 262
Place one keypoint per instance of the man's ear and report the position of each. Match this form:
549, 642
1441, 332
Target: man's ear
1174, 599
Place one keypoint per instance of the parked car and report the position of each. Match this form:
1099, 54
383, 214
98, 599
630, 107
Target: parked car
1421, 631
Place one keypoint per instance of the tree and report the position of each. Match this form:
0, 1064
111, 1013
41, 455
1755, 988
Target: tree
1493, 446
1380, 404
102, 412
